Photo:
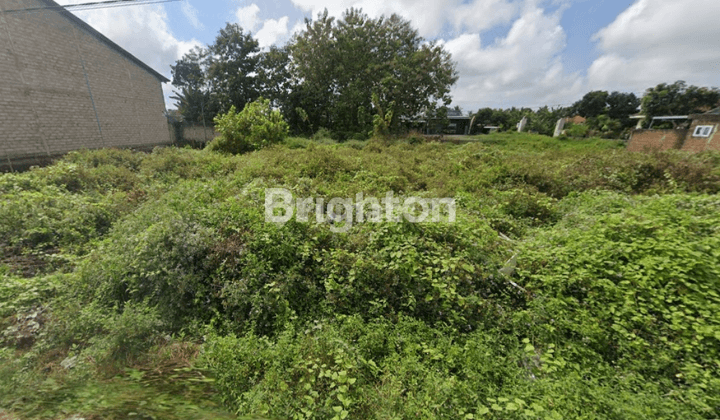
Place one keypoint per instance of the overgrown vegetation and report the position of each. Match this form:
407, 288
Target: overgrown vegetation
255, 127
579, 281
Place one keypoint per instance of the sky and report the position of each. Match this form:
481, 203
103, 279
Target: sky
522, 53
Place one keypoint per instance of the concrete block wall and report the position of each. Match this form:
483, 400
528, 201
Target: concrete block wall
199, 134
191, 134
62, 88
646, 140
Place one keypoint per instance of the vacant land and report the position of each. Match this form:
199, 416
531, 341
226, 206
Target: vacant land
578, 281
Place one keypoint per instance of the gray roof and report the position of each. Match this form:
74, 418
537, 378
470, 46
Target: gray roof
79, 22
715, 111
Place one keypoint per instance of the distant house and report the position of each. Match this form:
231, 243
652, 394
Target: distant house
64, 86
702, 135
455, 124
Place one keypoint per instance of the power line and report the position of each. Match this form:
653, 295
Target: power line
91, 5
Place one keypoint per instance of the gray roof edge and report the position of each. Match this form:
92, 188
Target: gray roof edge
60, 9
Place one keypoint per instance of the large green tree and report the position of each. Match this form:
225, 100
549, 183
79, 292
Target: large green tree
232, 68
193, 95
355, 68
274, 78
622, 105
606, 112
592, 104
227, 72
678, 99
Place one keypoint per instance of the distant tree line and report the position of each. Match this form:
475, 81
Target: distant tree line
350, 76
607, 114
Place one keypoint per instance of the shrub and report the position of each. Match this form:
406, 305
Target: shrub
355, 144
52, 218
415, 138
576, 130
255, 127
157, 255
635, 280
296, 143
379, 369
322, 133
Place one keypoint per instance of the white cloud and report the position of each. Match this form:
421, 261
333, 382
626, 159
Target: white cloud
168, 91
191, 14
482, 15
141, 30
298, 27
268, 32
523, 69
429, 16
659, 41
248, 18
272, 31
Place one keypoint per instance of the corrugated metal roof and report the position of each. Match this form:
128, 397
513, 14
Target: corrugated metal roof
104, 39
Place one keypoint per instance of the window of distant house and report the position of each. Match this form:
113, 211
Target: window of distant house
703, 131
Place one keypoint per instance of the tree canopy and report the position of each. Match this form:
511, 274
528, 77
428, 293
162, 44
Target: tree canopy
336, 74
214, 78
679, 99
356, 67
232, 68
592, 104
616, 105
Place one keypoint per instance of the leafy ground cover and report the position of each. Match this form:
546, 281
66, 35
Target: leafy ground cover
578, 281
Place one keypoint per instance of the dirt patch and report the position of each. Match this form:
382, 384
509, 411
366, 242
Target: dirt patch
26, 264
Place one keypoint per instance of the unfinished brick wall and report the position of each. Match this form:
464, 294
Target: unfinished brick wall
645, 140
62, 88
699, 144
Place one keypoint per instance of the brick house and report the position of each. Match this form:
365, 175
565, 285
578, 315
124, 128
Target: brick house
702, 135
64, 86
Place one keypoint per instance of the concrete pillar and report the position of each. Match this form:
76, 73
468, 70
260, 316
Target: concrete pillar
521, 125
559, 127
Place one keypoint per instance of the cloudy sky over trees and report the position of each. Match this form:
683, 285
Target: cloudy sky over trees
508, 52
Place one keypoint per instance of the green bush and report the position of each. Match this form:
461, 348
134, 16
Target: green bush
415, 138
576, 130
255, 127
17, 294
323, 134
381, 369
52, 218
158, 255
635, 280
